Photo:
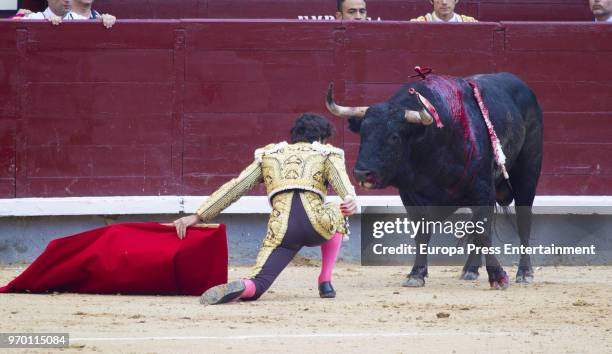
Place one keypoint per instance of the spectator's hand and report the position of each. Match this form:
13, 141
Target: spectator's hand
23, 12
108, 20
55, 20
348, 206
183, 223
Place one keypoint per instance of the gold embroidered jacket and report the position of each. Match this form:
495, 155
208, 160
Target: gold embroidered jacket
431, 17
282, 167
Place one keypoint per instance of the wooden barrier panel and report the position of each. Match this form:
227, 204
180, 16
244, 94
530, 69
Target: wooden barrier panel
177, 107
564, 66
245, 84
10, 102
99, 113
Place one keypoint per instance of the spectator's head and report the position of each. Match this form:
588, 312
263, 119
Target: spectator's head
311, 127
351, 10
60, 7
444, 9
602, 9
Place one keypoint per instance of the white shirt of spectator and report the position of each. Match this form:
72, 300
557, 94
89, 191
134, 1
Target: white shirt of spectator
608, 20
43, 15
433, 17
74, 16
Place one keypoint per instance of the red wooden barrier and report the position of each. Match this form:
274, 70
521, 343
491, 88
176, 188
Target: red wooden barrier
9, 106
564, 64
395, 10
177, 107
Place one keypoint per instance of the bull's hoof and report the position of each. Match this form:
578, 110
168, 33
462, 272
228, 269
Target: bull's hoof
524, 275
414, 282
469, 273
502, 282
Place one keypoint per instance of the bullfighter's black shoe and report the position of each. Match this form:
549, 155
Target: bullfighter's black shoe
223, 293
326, 290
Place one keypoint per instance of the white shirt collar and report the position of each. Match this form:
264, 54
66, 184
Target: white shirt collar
74, 16
455, 18
48, 13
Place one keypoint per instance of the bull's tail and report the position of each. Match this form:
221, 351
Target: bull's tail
505, 210
498, 211
504, 194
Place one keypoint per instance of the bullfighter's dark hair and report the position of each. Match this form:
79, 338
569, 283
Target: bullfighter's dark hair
310, 127
339, 4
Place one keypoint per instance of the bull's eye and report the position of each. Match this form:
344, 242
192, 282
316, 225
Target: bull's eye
394, 139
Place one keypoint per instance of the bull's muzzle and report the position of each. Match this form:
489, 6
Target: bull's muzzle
366, 178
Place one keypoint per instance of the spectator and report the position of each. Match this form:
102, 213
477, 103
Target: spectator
444, 11
82, 10
351, 10
54, 13
602, 10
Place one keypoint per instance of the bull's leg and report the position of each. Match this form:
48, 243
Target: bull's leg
525, 270
416, 278
524, 200
498, 279
473, 263
417, 275
524, 179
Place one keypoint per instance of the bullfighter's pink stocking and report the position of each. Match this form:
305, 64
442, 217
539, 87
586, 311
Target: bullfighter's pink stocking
249, 290
329, 252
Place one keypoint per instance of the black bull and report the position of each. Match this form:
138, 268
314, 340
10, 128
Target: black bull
437, 170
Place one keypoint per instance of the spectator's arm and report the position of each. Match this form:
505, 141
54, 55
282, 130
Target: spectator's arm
21, 13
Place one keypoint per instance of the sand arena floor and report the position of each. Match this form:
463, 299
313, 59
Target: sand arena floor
567, 310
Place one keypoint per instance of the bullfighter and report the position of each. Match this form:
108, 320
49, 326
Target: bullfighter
296, 176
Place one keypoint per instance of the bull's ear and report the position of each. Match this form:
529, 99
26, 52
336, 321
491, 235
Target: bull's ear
355, 125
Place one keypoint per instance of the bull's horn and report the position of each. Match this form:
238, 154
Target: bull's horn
341, 111
419, 117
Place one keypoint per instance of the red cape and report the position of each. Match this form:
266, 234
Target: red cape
129, 258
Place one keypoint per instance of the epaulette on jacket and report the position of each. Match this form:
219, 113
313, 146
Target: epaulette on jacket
268, 149
272, 148
327, 149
